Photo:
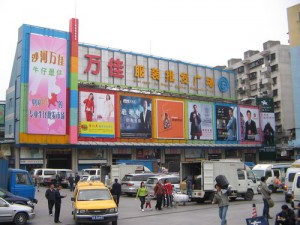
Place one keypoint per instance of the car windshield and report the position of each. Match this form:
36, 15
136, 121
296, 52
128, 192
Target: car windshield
91, 195
151, 181
258, 173
127, 178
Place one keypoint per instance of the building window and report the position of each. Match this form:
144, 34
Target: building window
252, 76
256, 63
240, 69
275, 92
274, 68
274, 80
272, 57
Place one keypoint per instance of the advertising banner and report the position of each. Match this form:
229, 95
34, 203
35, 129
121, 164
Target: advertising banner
97, 114
47, 85
250, 129
267, 118
170, 119
226, 122
200, 120
136, 117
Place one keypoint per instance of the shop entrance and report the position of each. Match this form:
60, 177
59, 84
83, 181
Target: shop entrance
59, 159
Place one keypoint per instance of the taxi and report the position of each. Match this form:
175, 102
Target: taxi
93, 203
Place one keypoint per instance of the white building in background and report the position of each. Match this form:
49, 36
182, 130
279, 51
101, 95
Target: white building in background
268, 74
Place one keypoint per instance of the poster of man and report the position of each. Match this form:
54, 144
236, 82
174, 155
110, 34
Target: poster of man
226, 122
251, 126
200, 120
136, 117
97, 114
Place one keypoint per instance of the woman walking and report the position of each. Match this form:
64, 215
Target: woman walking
142, 193
222, 200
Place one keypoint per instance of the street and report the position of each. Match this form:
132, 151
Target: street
191, 213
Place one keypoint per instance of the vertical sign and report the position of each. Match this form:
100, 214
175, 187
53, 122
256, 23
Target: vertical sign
47, 85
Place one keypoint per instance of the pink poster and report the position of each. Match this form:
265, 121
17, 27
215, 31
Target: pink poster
47, 85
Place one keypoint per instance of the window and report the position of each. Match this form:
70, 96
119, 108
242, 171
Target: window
93, 195
256, 63
239, 69
275, 92
274, 68
241, 175
22, 178
268, 173
298, 182
291, 177
252, 76
272, 57
274, 80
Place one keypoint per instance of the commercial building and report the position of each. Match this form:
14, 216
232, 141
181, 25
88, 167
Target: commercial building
294, 40
74, 105
268, 74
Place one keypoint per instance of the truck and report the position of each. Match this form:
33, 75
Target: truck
16, 181
242, 180
109, 173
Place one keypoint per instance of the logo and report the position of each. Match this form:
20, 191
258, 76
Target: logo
264, 102
223, 84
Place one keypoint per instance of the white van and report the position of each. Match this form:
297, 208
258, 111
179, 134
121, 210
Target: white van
272, 174
296, 190
289, 178
47, 175
151, 182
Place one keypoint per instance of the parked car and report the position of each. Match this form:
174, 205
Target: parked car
11, 198
19, 214
131, 182
89, 178
173, 179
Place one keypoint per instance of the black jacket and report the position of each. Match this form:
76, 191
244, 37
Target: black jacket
50, 194
116, 189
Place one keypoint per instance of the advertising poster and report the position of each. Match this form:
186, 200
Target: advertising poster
170, 119
47, 85
267, 118
249, 124
148, 154
2, 114
97, 114
200, 121
226, 122
136, 117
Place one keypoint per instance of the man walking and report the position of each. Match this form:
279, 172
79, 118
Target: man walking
266, 194
50, 195
116, 191
58, 198
71, 182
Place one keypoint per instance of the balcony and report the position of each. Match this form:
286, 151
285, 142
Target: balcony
265, 81
266, 70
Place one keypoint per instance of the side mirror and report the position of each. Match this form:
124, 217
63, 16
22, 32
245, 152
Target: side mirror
72, 199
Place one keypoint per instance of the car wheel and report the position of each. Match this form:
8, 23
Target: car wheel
249, 195
232, 198
114, 222
20, 219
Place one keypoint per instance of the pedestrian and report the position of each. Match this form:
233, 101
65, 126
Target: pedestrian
38, 182
221, 198
141, 194
285, 217
189, 186
58, 198
71, 182
77, 178
148, 201
266, 194
116, 191
169, 193
159, 193
50, 195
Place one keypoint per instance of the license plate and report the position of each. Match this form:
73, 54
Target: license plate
97, 218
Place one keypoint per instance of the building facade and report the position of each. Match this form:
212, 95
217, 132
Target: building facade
74, 105
294, 40
268, 74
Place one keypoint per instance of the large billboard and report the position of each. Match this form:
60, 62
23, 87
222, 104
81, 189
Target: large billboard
136, 117
170, 119
47, 85
200, 120
226, 122
97, 114
250, 130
